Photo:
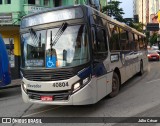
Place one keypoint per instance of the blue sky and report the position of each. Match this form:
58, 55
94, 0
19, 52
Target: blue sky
127, 6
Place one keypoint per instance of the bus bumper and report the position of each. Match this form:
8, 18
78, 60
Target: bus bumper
86, 95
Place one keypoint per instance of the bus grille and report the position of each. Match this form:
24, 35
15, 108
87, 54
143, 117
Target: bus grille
47, 75
59, 95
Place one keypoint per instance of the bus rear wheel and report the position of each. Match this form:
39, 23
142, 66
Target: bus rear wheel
115, 85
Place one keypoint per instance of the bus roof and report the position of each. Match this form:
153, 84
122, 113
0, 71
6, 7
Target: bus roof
52, 15
65, 14
51, 9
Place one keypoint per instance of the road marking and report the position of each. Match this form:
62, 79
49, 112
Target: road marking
42, 111
153, 81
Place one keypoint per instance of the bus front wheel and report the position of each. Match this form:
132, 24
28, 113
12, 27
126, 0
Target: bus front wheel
115, 85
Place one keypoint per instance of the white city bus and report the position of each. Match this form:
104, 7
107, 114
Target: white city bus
76, 55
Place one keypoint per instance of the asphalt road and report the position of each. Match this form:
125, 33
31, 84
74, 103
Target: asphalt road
138, 97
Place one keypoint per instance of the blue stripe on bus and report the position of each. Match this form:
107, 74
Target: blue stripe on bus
85, 73
5, 77
99, 70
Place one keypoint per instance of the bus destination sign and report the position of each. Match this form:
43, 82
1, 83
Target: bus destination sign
52, 16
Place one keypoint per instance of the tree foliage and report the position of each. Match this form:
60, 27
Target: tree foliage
113, 10
138, 26
153, 38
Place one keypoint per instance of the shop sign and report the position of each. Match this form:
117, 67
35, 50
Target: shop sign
34, 9
5, 18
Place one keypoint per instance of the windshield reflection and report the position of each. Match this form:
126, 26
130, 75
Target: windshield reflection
71, 48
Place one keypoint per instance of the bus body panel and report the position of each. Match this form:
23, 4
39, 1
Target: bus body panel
5, 77
50, 85
86, 95
1, 72
100, 83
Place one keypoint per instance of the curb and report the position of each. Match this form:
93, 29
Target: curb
10, 86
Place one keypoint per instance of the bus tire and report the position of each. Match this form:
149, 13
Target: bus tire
115, 85
141, 69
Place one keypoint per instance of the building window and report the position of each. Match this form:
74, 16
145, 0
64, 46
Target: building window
31, 1
37, 2
0, 1
57, 3
7, 1
76, 2
46, 2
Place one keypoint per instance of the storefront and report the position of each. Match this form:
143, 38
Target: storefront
11, 38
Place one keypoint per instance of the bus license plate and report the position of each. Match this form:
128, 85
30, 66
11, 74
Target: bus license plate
47, 98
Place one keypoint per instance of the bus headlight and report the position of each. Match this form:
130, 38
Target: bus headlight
80, 84
86, 80
24, 86
76, 87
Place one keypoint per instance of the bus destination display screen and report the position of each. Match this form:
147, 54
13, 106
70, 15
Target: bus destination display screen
52, 16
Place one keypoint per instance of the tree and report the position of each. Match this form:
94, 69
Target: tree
138, 26
113, 10
153, 38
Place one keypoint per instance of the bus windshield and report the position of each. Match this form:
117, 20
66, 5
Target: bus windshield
53, 49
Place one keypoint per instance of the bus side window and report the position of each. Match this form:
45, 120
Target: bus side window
99, 44
101, 40
136, 42
141, 43
114, 39
131, 41
123, 39
145, 43
94, 48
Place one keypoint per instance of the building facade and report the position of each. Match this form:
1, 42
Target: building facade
11, 12
145, 9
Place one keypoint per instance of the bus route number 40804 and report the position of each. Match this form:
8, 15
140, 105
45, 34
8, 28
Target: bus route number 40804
61, 84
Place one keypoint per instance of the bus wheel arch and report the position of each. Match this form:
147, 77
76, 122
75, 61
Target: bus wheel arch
116, 82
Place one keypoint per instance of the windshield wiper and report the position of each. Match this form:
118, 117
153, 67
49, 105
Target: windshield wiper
36, 40
33, 36
57, 36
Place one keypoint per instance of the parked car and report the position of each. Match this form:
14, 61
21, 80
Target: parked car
153, 55
154, 47
158, 51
